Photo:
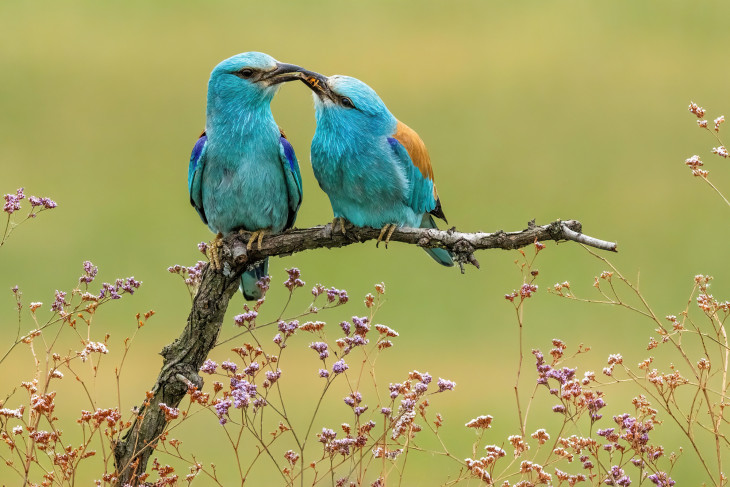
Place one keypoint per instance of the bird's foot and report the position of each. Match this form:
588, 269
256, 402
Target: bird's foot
389, 228
214, 252
258, 236
342, 225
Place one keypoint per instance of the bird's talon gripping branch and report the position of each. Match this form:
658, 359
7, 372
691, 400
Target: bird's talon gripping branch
342, 225
256, 236
214, 251
390, 234
382, 234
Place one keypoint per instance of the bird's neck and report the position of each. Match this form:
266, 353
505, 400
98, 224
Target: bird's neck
236, 120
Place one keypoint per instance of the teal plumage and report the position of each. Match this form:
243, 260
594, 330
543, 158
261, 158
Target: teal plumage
243, 173
374, 168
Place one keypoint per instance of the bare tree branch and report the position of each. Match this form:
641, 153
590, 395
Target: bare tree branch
184, 357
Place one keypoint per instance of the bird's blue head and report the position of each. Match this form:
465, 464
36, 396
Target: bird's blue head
346, 103
249, 79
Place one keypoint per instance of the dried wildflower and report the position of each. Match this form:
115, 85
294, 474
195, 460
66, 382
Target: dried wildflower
92, 347
519, 444
170, 413
720, 151
718, 121
292, 457
702, 124
380, 288
312, 326
385, 330
697, 110
380, 452
703, 364
12, 413
527, 290
541, 436
481, 422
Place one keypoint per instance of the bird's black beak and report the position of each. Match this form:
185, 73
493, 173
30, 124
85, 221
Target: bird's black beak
282, 73
317, 83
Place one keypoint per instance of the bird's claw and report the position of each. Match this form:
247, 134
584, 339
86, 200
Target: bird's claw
257, 236
342, 225
214, 252
390, 228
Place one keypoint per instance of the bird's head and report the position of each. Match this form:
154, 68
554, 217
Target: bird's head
249, 77
345, 100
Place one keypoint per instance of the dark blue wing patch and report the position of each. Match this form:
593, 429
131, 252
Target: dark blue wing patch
288, 152
195, 174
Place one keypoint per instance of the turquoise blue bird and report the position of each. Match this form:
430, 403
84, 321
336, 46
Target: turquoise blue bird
243, 173
375, 169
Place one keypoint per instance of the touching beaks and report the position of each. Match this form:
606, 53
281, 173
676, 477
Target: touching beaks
317, 83
282, 73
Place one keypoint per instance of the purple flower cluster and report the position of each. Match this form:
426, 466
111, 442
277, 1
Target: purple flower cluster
321, 348
242, 392
264, 283
120, 286
12, 201
445, 385
252, 369
209, 367
339, 367
286, 330
221, 410
272, 376
661, 479
339, 295
362, 327
90, 271
59, 302
633, 431
229, 366
617, 477
247, 317
294, 280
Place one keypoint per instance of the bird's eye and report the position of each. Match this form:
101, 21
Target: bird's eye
346, 102
245, 73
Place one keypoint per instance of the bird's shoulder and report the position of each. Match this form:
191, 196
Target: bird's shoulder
415, 147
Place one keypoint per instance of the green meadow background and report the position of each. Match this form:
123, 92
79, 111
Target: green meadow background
531, 109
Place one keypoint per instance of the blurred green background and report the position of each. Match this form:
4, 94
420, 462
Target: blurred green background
545, 110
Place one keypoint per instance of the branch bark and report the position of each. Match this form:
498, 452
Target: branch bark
183, 358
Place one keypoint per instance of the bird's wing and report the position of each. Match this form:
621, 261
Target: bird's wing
195, 176
292, 176
411, 152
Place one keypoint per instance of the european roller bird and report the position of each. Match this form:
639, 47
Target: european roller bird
243, 173
375, 169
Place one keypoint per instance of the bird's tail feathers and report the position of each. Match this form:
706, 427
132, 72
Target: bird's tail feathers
443, 257
249, 279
